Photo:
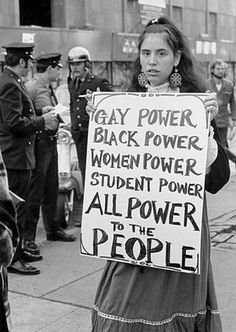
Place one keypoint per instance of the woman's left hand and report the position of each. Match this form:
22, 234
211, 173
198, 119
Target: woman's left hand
211, 104
90, 108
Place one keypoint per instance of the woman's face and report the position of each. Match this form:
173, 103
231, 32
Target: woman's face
157, 58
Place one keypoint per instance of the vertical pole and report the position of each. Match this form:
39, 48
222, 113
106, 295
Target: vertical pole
207, 17
170, 9
85, 13
124, 11
17, 13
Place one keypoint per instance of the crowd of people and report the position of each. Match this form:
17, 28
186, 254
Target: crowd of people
29, 166
28, 145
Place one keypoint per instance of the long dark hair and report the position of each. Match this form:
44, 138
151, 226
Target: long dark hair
187, 67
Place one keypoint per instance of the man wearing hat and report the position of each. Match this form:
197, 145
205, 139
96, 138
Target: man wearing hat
18, 127
79, 81
44, 182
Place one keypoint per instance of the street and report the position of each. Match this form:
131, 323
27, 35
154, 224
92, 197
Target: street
61, 297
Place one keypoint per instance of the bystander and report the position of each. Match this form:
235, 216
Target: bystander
226, 101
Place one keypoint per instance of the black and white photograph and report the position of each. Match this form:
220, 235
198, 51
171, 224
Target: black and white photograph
117, 166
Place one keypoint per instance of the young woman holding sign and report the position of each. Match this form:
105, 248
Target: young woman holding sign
133, 298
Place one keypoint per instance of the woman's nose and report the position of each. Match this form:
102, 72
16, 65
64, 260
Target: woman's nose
153, 58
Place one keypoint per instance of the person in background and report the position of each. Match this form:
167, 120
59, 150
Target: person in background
226, 101
18, 127
79, 81
9, 238
44, 182
136, 298
226, 73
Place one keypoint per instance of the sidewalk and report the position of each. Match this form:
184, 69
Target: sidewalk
222, 219
61, 297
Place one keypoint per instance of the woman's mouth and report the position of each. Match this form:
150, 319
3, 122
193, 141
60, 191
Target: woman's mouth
153, 72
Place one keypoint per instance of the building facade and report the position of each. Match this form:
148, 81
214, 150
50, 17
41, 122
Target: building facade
110, 29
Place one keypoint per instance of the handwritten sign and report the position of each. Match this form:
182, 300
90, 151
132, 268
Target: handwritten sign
144, 190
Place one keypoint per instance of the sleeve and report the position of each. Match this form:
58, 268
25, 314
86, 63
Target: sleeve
212, 150
219, 172
233, 105
41, 98
6, 246
33, 94
15, 120
9, 234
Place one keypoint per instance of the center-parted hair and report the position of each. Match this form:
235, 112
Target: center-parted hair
187, 67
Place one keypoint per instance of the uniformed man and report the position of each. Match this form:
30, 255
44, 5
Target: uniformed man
18, 126
44, 182
79, 81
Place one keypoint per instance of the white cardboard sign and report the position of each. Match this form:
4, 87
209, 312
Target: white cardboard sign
145, 174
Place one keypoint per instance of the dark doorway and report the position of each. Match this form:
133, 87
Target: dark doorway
35, 12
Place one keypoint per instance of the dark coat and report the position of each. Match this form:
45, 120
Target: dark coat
225, 97
9, 239
220, 171
18, 123
79, 116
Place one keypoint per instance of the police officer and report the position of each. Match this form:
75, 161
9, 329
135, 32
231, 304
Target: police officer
44, 182
79, 81
18, 125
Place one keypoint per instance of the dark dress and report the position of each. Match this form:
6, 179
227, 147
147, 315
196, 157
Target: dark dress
137, 299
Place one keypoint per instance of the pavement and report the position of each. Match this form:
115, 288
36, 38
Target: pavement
61, 297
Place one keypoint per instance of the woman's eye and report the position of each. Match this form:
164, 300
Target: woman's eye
162, 53
145, 52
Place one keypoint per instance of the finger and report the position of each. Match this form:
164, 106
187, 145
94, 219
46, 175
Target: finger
90, 109
88, 95
212, 112
98, 89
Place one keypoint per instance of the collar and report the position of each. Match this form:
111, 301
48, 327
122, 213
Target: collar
13, 74
218, 80
163, 88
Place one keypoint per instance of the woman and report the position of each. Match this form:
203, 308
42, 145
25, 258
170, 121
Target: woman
8, 242
133, 298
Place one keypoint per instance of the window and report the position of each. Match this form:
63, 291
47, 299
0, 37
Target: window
177, 13
35, 12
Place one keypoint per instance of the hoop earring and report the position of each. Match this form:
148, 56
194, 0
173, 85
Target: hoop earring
175, 79
142, 79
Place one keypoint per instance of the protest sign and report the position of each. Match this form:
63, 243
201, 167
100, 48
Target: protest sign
145, 173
